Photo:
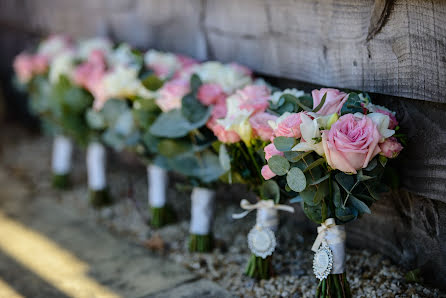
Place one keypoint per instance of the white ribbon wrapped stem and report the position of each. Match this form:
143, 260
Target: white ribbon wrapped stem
96, 159
268, 218
261, 204
335, 236
202, 210
61, 159
157, 183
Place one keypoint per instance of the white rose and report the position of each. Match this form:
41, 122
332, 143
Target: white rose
123, 82
276, 95
63, 64
382, 122
89, 45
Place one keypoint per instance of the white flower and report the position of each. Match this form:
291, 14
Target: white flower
230, 78
276, 95
63, 64
311, 135
123, 55
237, 119
164, 63
123, 82
53, 46
89, 45
382, 122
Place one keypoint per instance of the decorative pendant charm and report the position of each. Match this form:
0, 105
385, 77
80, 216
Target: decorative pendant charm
261, 241
323, 261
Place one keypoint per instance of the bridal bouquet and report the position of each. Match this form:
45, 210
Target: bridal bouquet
112, 76
190, 102
59, 104
333, 156
243, 130
160, 68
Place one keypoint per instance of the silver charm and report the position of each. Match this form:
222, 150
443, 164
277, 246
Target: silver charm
323, 261
261, 241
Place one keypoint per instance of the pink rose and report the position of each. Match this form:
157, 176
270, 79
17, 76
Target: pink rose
23, 67
351, 143
223, 135
186, 61
260, 126
271, 150
289, 127
40, 64
90, 74
171, 94
254, 98
390, 148
26, 66
334, 100
241, 69
267, 173
209, 94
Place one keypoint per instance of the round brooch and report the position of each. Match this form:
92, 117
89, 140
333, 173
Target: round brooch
323, 262
261, 241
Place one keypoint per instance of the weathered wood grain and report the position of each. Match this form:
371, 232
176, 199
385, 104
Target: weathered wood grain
384, 46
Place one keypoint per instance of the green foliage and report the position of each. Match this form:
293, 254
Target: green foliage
174, 125
193, 110
270, 191
279, 165
352, 105
152, 82
284, 144
296, 179
290, 103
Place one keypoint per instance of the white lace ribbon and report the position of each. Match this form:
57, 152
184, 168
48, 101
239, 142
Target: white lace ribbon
335, 236
202, 210
96, 159
157, 183
61, 159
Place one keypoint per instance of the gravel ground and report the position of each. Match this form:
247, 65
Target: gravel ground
370, 274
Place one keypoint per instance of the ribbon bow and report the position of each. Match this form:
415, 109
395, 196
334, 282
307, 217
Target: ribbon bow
267, 204
327, 224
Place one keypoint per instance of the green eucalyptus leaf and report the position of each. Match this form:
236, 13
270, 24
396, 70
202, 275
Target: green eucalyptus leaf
319, 180
337, 200
346, 214
279, 165
359, 205
308, 196
295, 156
372, 164
296, 179
173, 125
152, 82
192, 109
124, 124
150, 141
283, 143
269, 190
314, 164
313, 212
345, 180
173, 147
195, 83
352, 105
95, 119
113, 109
